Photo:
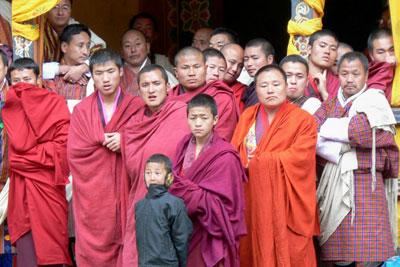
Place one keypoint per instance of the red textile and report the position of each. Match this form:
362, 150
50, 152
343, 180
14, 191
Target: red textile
239, 88
332, 86
228, 110
100, 184
380, 76
145, 136
38, 170
213, 193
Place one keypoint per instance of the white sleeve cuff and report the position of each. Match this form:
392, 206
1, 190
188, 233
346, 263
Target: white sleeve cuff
336, 129
50, 70
329, 150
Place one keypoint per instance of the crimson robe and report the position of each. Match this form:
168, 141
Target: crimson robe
332, 86
238, 88
101, 184
145, 136
37, 122
380, 76
228, 110
281, 206
213, 193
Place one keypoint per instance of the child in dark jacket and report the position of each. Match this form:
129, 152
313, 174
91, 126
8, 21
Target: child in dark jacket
163, 227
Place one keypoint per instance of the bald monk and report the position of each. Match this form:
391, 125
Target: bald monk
157, 128
234, 54
201, 39
95, 152
276, 141
190, 71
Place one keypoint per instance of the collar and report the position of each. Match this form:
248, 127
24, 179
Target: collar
156, 190
343, 101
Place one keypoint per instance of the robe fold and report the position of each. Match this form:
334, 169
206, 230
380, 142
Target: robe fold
101, 184
281, 193
228, 110
332, 86
380, 76
145, 136
238, 88
213, 193
37, 122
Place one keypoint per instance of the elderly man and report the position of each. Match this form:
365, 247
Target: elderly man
191, 73
201, 39
356, 139
296, 69
134, 50
257, 54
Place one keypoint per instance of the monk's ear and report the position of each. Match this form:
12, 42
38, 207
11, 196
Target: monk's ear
216, 118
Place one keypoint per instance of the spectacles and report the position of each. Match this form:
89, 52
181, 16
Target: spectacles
64, 7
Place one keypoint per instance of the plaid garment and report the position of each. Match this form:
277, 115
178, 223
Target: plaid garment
129, 81
369, 238
65, 89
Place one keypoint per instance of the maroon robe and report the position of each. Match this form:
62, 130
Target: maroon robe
380, 76
332, 86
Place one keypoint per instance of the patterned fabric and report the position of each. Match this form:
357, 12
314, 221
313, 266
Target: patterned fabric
65, 89
369, 238
129, 81
251, 140
300, 101
5, 32
3, 141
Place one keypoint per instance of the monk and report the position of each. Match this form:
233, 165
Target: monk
342, 49
233, 54
222, 36
276, 142
201, 38
191, 73
209, 177
95, 157
157, 128
215, 64
37, 154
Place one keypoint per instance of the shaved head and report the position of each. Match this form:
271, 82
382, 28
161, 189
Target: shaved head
188, 51
233, 54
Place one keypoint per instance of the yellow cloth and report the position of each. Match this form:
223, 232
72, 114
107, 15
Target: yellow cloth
395, 17
23, 10
307, 27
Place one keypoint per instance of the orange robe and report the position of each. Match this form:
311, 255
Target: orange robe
281, 208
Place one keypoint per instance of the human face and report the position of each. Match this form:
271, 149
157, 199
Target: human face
201, 39
146, 26
323, 52
153, 89
234, 62
340, 52
383, 49
297, 79
218, 41
255, 59
106, 79
78, 49
154, 173
201, 122
215, 68
24, 75
134, 48
191, 71
271, 89
59, 15
3, 71
352, 77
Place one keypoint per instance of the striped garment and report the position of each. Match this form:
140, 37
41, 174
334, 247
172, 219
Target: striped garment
369, 238
65, 89
129, 80
5, 32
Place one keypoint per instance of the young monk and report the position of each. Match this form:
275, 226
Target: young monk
95, 149
209, 177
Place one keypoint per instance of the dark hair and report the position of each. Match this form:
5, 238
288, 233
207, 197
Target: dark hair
4, 58
351, 56
132, 30
269, 68
144, 15
377, 34
153, 67
211, 52
103, 56
294, 59
233, 36
203, 100
161, 158
321, 33
186, 51
73, 29
24, 63
266, 47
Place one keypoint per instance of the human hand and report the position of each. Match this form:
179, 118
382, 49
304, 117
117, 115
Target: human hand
113, 141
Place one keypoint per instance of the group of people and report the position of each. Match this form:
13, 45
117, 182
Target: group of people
225, 158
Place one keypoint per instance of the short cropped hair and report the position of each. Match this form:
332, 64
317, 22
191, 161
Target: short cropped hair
73, 29
144, 15
4, 58
377, 34
186, 51
211, 52
103, 56
134, 30
153, 67
161, 158
294, 59
203, 100
24, 63
233, 36
321, 33
351, 56
269, 68
266, 47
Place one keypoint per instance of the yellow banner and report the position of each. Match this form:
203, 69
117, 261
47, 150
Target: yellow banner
394, 6
24, 10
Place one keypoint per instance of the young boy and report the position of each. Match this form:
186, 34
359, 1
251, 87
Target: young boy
163, 227
210, 182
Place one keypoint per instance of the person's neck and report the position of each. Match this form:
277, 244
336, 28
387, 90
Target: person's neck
69, 62
59, 29
314, 70
200, 142
154, 110
134, 68
271, 113
109, 99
